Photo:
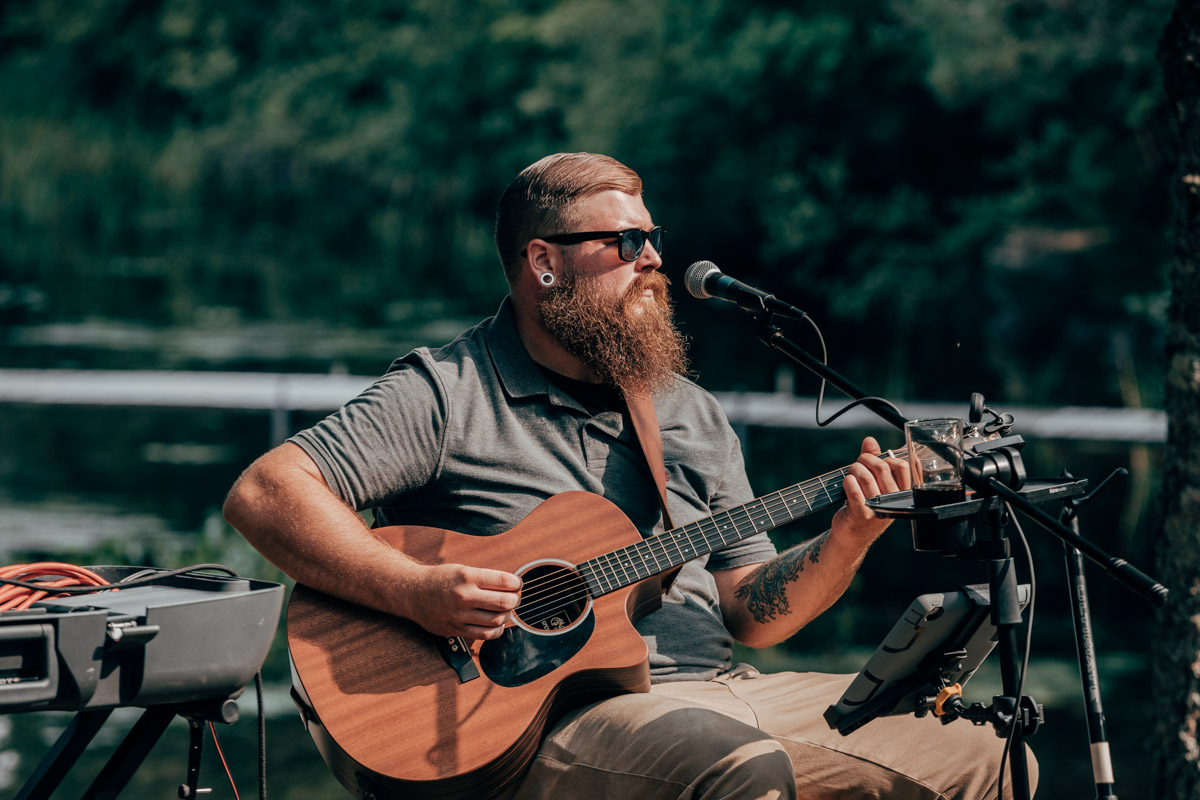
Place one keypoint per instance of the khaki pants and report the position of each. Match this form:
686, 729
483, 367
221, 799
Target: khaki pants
748, 735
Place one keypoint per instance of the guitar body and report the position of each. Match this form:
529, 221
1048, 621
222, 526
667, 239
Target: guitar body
393, 718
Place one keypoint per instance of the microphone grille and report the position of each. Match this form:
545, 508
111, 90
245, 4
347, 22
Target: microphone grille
695, 276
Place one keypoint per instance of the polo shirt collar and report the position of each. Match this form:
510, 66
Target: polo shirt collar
517, 371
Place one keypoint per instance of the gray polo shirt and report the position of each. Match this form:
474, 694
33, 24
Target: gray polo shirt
471, 437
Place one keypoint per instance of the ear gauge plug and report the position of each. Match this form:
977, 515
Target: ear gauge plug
547, 279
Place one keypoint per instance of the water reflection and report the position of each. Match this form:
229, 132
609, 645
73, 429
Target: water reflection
69, 525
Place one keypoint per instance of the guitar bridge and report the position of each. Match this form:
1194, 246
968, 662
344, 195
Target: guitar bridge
458, 655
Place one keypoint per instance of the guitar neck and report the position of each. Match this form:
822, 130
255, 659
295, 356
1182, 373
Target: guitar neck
658, 554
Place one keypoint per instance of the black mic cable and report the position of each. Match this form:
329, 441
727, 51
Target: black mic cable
705, 280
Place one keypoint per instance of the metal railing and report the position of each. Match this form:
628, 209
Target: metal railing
282, 393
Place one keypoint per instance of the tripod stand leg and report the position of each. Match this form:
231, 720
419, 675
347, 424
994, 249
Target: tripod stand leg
66, 751
1102, 772
1006, 616
131, 753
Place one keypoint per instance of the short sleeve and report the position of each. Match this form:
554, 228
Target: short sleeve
385, 442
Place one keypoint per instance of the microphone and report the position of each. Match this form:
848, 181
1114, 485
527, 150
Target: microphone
704, 279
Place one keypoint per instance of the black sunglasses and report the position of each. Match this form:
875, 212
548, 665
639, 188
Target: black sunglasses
630, 242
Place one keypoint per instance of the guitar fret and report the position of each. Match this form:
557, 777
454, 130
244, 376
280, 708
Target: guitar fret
642, 564
658, 567
678, 550
756, 518
804, 496
632, 563
624, 565
696, 533
618, 568
597, 577
732, 527
762, 519
789, 500
636, 565
609, 577
770, 518
668, 540
635, 557
657, 554
745, 512
598, 568
825, 486
720, 534
611, 572
688, 550
592, 580
704, 530
601, 578
728, 523
709, 539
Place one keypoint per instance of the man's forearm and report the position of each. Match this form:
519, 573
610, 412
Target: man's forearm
765, 592
766, 604
289, 515
782, 595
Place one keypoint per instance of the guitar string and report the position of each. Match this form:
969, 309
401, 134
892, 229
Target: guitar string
624, 568
689, 532
607, 572
607, 566
571, 586
637, 553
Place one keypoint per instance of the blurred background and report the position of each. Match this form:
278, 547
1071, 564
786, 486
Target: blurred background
966, 196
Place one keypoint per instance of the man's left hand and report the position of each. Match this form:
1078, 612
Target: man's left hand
869, 476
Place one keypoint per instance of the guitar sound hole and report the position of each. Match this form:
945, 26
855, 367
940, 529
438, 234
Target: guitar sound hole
554, 598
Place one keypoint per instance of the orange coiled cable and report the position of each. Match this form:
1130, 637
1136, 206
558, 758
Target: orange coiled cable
15, 598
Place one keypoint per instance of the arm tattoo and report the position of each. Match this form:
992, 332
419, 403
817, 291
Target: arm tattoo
765, 589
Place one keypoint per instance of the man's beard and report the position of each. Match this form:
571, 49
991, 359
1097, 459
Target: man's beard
628, 341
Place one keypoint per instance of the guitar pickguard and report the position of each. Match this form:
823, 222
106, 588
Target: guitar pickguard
520, 657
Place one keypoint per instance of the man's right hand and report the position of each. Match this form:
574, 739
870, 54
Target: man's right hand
283, 506
457, 600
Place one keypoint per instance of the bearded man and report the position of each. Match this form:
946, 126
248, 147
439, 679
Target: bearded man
531, 403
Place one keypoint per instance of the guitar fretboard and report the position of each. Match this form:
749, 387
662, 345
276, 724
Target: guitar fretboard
655, 555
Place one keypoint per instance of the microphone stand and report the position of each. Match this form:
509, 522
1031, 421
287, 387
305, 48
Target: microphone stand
1102, 771
1012, 714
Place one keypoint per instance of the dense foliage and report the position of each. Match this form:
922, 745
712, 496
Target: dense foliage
966, 195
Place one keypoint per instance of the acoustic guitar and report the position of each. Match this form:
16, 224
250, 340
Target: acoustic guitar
397, 712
